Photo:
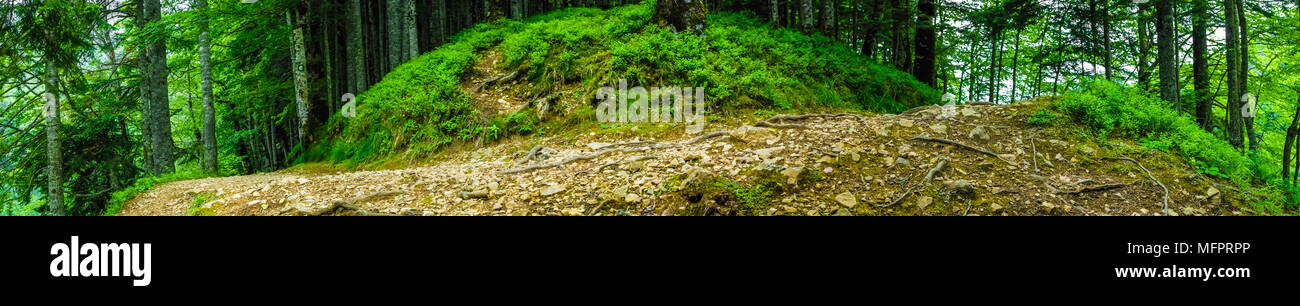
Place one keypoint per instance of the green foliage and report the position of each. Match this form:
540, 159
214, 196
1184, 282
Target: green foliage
1112, 109
421, 107
1041, 118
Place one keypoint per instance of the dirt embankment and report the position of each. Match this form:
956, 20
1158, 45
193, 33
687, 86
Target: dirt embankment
964, 160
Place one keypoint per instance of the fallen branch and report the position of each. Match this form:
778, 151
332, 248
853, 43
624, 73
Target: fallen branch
964, 213
1152, 177
899, 200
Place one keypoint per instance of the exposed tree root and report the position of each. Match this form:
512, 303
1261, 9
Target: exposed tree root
929, 176
1100, 188
780, 125
477, 194
1035, 147
601, 167
351, 205
1152, 177
960, 145
776, 121
898, 200
531, 155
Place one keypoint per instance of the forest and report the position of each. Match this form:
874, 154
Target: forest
446, 107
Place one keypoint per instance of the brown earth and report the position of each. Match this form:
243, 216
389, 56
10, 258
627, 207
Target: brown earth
820, 165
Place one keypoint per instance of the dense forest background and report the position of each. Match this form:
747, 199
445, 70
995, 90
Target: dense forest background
101, 99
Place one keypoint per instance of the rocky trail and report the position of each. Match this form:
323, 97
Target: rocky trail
956, 160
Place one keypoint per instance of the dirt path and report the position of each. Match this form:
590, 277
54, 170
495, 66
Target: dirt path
843, 165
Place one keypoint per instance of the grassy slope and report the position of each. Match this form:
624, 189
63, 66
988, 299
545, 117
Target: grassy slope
421, 107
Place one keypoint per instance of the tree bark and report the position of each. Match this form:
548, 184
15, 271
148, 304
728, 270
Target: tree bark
53, 138
1234, 124
1167, 53
1201, 66
356, 49
829, 27
1105, 30
925, 43
160, 108
145, 87
807, 16
412, 37
298, 55
396, 50
1244, 75
209, 110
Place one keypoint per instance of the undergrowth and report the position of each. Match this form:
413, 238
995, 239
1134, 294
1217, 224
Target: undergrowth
420, 107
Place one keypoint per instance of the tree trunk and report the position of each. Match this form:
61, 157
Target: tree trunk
145, 87
412, 32
829, 27
807, 16
440, 13
776, 17
925, 43
160, 108
53, 138
1234, 123
356, 50
901, 52
1289, 143
396, 18
1201, 66
1167, 53
209, 110
1244, 75
1105, 30
1015, 64
497, 9
298, 55
1144, 42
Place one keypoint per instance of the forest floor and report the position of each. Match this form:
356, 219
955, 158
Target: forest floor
993, 163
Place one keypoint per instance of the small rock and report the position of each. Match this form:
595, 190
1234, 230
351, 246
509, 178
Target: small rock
902, 162
632, 198
766, 154
1210, 193
996, 208
1188, 211
1087, 150
551, 189
753, 134
1050, 208
792, 174
979, 133
924, 201
847, 199
939, 128
906, 122
843, 212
